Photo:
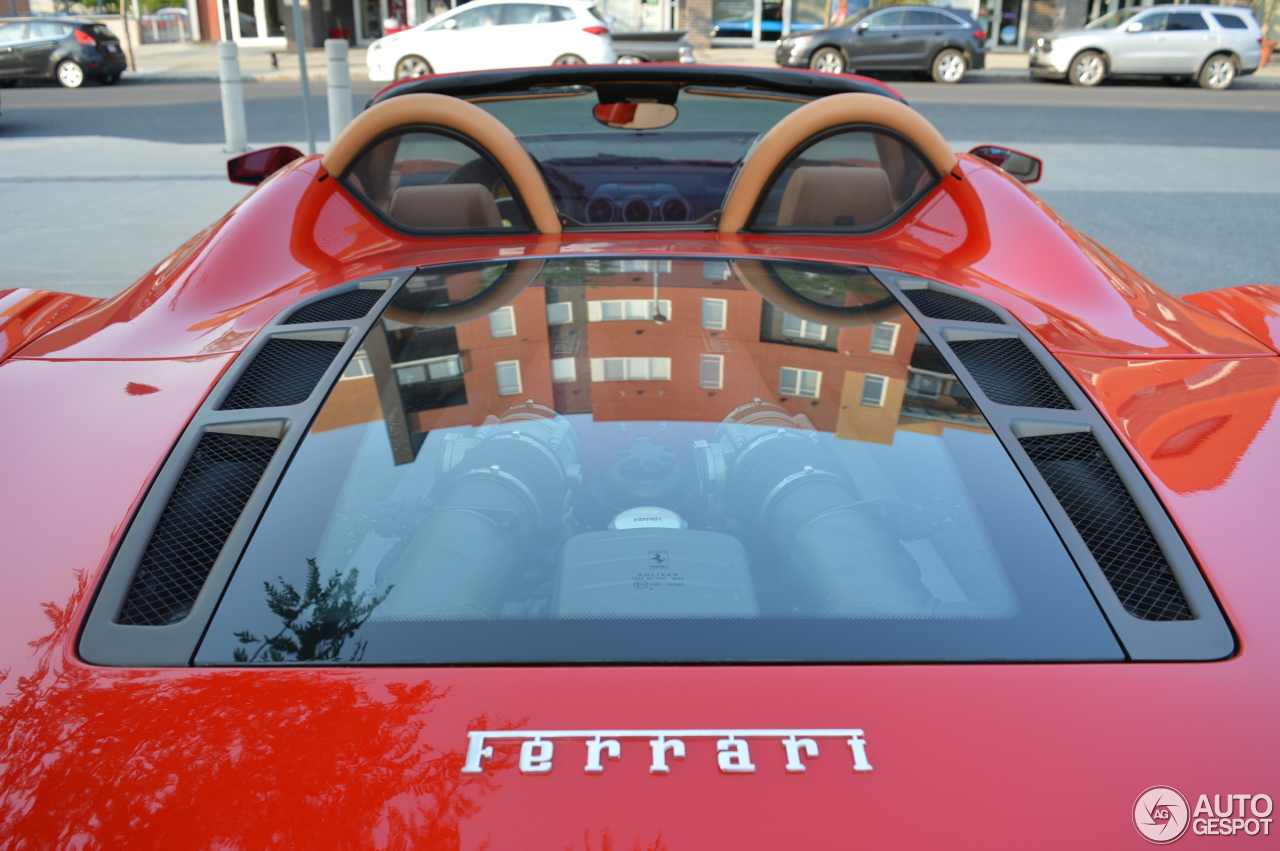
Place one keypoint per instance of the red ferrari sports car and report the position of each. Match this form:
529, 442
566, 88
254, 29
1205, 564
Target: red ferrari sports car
653, 457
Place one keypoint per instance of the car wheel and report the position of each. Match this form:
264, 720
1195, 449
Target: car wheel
948, 67
70, 74
412, 66
1087, 69
569, 59
1218, 72
109, 79
828, 60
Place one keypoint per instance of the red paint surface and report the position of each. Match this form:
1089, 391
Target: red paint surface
965, 756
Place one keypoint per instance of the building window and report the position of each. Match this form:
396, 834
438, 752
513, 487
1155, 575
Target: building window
793, 326
715, 270
432, 369
563, 369
711, 372
508, 372
358, 368
873, 387
640, 264
631, 369
884, 337
559, 313
799, 382
925, 385
628, 308
502, 322
714, 313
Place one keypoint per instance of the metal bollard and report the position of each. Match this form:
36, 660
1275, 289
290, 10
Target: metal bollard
336, 52
232, 97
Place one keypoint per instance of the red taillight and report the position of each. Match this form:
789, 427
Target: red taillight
596, 30
84, 38
979, 34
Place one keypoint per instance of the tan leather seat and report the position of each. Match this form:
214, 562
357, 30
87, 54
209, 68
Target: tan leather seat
835, 196
450, 205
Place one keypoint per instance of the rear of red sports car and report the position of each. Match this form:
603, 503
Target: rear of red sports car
515, 478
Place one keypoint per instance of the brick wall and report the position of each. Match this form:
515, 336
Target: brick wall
694, 16
1046, 15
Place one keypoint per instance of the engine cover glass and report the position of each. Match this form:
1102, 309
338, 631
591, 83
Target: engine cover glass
640, 460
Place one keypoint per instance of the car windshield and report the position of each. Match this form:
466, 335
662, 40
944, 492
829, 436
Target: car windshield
599, 175
1115, 19
639, 460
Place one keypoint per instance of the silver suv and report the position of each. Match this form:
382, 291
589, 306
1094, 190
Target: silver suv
1214, 44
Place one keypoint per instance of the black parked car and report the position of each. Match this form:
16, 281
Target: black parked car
944, 43
65, 49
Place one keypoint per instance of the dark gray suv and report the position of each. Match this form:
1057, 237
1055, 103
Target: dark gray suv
942, 43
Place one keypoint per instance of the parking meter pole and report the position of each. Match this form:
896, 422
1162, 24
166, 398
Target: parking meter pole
232, 97
336, 52
300, 40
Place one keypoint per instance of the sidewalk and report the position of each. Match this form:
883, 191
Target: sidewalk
199, 61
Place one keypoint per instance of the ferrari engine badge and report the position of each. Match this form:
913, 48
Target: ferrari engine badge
733, 747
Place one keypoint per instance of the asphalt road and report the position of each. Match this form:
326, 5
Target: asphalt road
1118, 113
1182, 183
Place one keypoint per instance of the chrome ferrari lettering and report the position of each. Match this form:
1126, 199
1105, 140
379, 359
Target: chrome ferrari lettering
734, 756
794, 746
733, 749
858, 745
535, 756
660, 747
595, 747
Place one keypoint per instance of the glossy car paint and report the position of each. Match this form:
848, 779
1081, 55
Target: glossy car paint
964, 756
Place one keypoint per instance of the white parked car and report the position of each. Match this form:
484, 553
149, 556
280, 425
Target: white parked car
1213, 44
486, 34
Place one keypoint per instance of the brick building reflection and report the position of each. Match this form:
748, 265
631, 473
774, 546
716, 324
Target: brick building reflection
644, 339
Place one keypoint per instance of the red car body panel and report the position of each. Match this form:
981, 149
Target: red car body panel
964, 756
25, 314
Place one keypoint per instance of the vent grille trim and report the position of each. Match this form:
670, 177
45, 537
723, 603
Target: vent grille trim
946, 307
343, 307
1010, 374
282, 373
206, 502
1103, 511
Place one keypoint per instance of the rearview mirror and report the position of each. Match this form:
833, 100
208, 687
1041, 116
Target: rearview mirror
1135, 27
627, 115
450, 24
256, 166
862, 27
1019, 166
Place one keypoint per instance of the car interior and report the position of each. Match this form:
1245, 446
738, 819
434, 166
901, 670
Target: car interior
639, 157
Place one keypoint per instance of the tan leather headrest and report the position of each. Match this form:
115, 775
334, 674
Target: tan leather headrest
835, 196
796, 129
432, 110
451, 205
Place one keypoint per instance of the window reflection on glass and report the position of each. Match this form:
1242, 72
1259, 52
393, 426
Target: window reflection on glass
652, 491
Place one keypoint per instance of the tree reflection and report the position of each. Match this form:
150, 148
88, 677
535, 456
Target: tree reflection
608, 843
242, 758
317, 622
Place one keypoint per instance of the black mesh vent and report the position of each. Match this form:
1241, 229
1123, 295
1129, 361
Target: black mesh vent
938, 305
206, 503
1104, 513
283, 372
1009, 374
353, 304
